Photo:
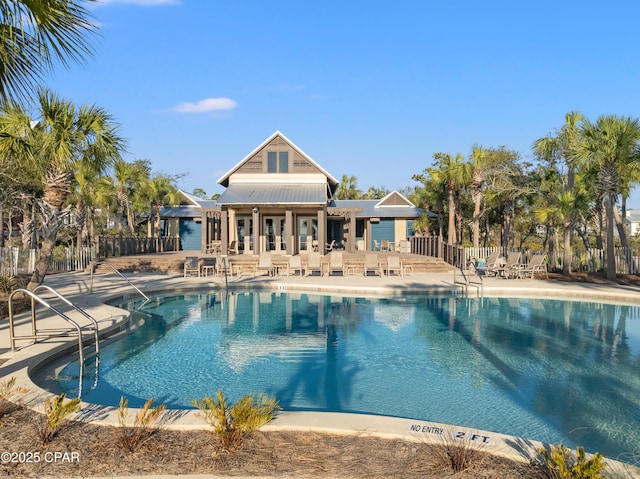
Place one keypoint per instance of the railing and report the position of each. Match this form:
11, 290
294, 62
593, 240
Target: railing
112, 246
119, 274
16, 261
53, 332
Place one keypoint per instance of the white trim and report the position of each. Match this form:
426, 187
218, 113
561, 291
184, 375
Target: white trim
278, 178
277, 133
380, 204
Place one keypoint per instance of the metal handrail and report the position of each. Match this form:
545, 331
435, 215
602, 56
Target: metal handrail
35, 334
119, 274
81, 311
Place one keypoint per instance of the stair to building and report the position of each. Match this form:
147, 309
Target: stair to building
173, 262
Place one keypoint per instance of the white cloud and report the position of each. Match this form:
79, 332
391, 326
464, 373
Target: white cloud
146, 3
208, 104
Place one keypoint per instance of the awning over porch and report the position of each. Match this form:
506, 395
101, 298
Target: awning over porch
274, 194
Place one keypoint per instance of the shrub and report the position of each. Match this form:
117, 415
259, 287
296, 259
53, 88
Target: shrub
8, 388
559, 463
232, 423
56, 410
7, 284
132, 437
456, 455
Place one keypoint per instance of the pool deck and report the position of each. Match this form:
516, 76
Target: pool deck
111, 320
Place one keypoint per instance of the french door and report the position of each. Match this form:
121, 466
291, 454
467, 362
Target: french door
275, 234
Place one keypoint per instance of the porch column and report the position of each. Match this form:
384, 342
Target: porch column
224, 232
288, 229
350, 219
322, 230
256, 230
367, 233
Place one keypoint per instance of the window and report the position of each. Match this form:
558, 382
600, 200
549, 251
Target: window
278, 162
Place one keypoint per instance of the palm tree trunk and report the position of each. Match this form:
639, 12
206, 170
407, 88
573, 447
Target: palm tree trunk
610, 258
566, 255
451, 234
622, 231
476, 220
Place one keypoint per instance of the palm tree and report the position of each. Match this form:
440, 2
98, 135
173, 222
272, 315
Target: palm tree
563, 147
610, 144
58, 140
478, 157
37, 34
452, 173
348, 188
158, 191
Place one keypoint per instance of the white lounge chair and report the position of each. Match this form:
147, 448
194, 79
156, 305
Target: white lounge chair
335, 262
313, 264
191, 266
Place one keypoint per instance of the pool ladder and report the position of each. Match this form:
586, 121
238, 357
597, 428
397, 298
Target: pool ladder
55, 332
466, 282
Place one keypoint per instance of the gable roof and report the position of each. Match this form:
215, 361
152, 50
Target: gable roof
394, 199
224, 180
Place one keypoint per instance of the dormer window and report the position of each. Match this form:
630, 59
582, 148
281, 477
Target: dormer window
278, 162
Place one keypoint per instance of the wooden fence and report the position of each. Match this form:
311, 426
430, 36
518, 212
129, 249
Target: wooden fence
113, 246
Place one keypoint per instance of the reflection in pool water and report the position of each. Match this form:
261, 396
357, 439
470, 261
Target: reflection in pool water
556, 371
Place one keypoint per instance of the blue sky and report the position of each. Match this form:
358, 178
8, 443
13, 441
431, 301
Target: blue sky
367, 88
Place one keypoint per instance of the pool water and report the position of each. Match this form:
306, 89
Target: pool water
556, 371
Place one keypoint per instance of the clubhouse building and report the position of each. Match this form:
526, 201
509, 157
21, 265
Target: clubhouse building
279, 200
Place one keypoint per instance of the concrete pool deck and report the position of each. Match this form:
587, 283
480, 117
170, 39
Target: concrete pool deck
23, 362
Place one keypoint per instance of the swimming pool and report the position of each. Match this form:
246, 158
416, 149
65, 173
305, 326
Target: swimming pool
556, 371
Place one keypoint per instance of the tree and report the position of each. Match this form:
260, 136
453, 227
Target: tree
36, 34
451, 172
563, 147
348, 189
610, 144
478, 156
57, 141
159, 190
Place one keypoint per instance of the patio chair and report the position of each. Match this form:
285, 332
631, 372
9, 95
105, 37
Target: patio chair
295, 264
313, 264
233, 247
207, 266
335, 262
376, 245
385, 245
537, 263
330, 246
264, 264
213, 248
191, 266
371, 264
393, 264
512, 265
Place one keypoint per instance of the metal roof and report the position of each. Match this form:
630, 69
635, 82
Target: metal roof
271, 194
369, 209
183, 211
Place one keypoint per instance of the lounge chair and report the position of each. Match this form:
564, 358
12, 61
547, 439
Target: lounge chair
335, 262
295, 264
512, 266
393, 264
264, 264
494, 263
191, 266
371, 263
313, 264
537, 263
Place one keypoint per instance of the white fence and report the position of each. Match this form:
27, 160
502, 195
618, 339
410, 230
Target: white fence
16, 261
590, 261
